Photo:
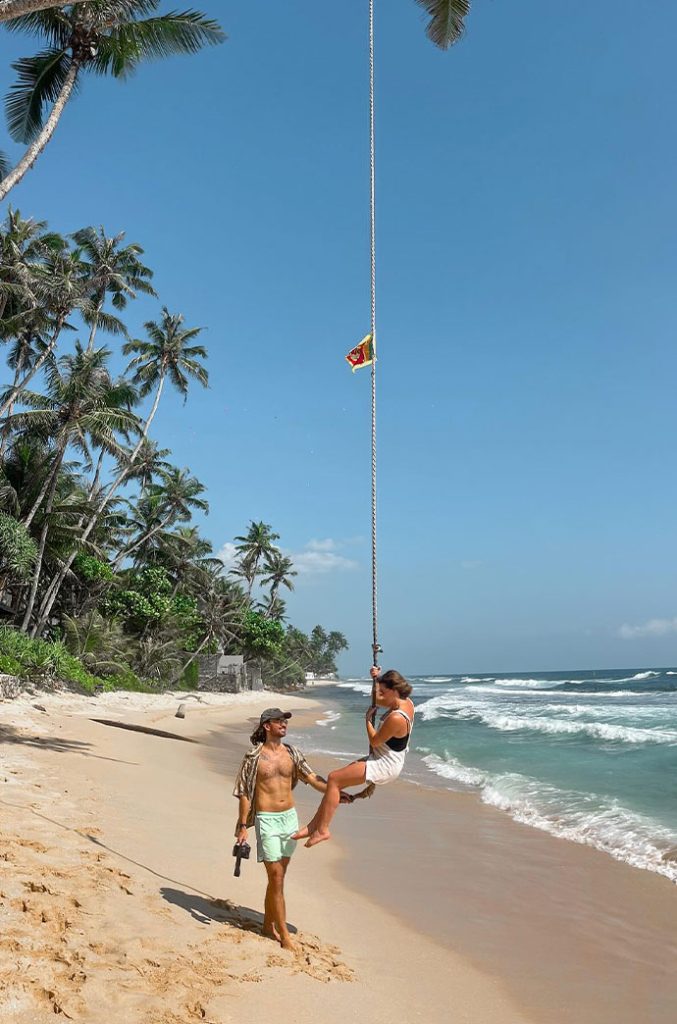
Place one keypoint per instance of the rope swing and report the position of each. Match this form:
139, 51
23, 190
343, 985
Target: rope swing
372, 263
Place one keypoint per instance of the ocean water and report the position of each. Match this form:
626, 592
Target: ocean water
590, 757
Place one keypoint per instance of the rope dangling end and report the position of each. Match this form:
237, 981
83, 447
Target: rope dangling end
365, 793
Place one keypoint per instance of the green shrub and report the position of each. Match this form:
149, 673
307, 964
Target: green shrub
10, 666
18, 550
91, 569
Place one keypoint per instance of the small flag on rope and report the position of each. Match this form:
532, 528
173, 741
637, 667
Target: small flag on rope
362, 354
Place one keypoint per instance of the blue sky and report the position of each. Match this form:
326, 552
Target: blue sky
527, 248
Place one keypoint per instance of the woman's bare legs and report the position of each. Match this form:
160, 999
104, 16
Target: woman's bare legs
317, 830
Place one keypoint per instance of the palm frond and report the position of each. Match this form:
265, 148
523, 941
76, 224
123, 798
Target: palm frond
5, 166
447, 20
52, 24
121, 50
105, 321
40, 80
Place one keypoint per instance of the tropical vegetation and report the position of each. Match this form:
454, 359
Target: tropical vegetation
111, 38
105, 577
100, 37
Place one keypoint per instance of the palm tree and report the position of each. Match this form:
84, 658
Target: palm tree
166, 354
221, 605
110, 268
253, 548
61, 292
81, 402
150, 462
172, 500
273, 607
24, 244
444, 29
100, 644
106, 37
278, 571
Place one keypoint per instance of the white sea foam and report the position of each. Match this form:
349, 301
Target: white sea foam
481, 679
505, 722
623, 834
349, 755
615, 679
532, 684
329, 718
357, 686
437, 679
448, 767
436, 706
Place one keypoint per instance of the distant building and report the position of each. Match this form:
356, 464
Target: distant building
228, 673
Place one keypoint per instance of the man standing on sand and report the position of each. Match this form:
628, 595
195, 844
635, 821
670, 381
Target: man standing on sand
268, 774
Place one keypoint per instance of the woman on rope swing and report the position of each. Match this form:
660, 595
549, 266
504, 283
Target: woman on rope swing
388, 747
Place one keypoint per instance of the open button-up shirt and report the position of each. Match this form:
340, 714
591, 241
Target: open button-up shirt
245, 784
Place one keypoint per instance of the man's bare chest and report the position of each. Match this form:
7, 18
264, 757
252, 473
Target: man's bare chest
274, 766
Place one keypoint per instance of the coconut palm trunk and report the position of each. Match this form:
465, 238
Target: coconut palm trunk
36, 148
27, 378
55, 586
6, 429
17, 8
142, 540
37, 569
47, 483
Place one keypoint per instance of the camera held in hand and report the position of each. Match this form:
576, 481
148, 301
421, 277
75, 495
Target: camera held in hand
241, 852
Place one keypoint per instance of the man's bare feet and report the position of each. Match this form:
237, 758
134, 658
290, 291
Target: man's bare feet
287, 943
318, 837
269, 931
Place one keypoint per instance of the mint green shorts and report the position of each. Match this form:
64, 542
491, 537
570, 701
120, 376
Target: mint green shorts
273, 834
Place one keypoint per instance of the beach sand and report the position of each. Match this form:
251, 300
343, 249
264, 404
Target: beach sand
118, 904
117, 900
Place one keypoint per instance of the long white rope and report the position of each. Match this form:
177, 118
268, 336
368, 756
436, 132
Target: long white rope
372, 214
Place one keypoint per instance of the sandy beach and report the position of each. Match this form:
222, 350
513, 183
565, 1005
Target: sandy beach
118, 903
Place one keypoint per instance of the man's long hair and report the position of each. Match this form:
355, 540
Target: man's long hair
258, 736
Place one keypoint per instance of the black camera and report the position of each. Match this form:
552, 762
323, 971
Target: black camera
241, 852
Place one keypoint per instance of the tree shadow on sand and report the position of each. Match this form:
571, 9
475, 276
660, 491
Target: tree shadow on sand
216, 911
11, 735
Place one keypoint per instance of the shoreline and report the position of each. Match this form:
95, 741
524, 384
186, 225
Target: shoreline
118, 902
493, 889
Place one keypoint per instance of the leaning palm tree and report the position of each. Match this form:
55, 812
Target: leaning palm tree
165, 355
106, 37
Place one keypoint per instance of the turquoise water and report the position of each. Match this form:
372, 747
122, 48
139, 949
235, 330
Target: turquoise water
588, 756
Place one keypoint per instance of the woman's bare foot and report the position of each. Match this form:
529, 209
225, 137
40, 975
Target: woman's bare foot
302, 833
287, 943
269, 931
318, 837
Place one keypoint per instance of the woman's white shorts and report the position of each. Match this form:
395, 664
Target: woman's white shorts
380, 770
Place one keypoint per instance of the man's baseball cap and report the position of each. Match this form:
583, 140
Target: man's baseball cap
271, 714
